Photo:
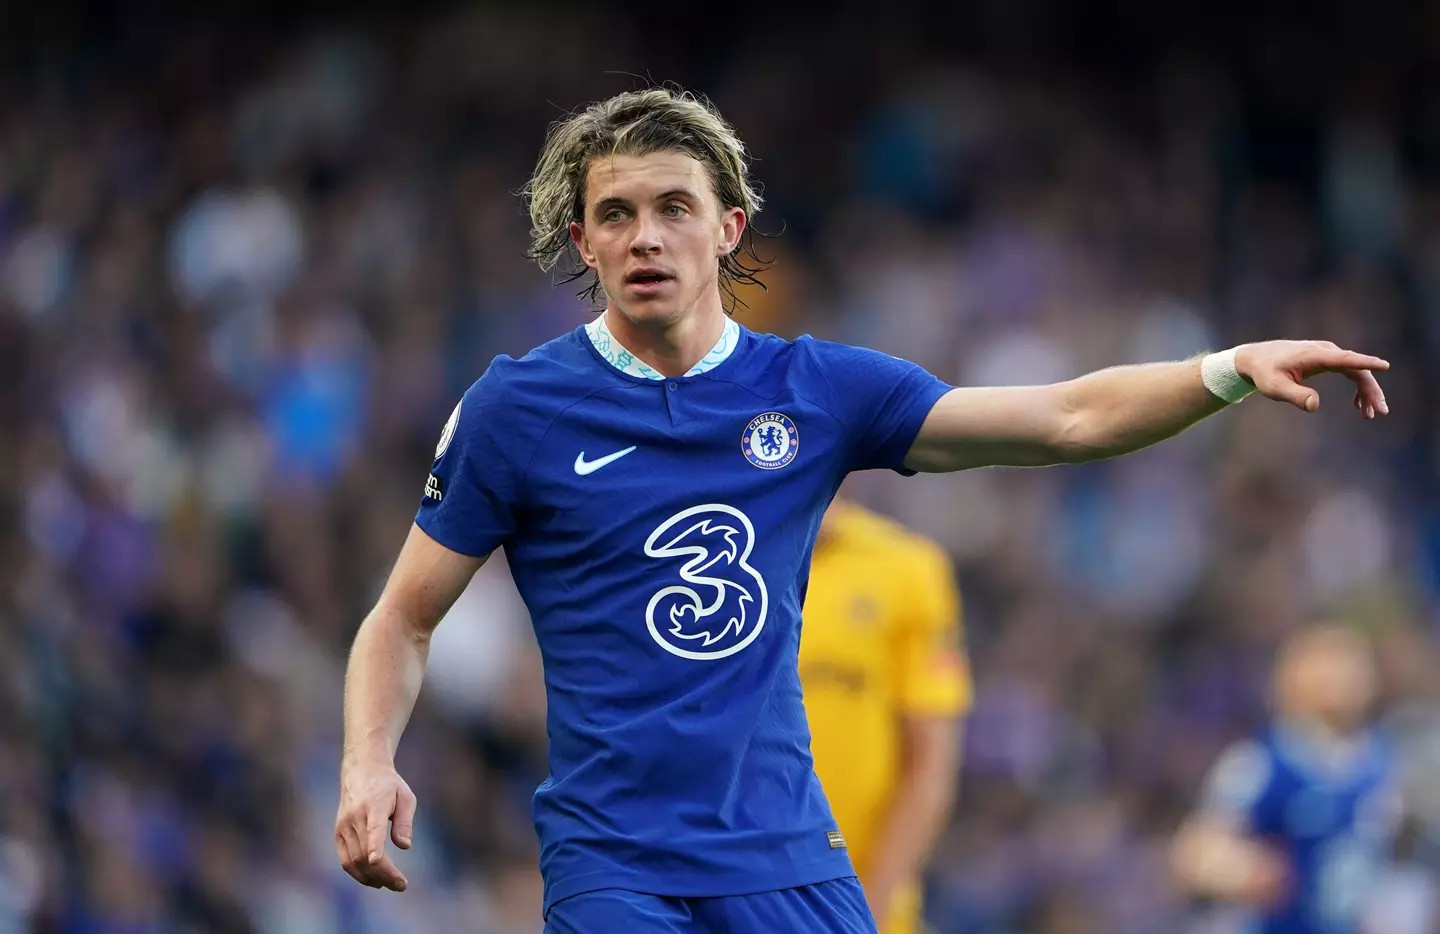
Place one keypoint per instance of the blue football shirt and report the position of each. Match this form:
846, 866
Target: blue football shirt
1331, 814
660, 531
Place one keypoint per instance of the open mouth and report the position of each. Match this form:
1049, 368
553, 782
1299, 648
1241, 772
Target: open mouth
647, 277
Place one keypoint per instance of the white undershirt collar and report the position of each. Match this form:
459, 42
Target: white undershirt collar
626, 362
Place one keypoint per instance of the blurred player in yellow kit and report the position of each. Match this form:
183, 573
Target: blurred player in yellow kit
885, 683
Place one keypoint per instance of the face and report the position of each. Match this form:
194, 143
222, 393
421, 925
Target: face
654, 233
1332, 677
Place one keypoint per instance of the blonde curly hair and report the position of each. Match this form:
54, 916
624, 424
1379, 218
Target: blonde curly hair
637, 123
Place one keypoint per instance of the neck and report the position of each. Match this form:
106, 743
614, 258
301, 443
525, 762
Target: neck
671, 348
1321, 730
1322, 747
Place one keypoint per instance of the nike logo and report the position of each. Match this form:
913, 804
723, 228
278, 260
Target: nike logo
583, 467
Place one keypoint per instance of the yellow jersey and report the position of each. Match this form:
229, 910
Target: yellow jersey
880, 640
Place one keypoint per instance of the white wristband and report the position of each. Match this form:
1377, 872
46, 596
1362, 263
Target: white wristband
1218, 373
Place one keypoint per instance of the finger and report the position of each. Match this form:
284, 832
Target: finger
387, 875
1297, 394
1368, 393
373, 839
355, 874
1349, 360
342, 854
402, 825
377, 866
383, 874
347, 846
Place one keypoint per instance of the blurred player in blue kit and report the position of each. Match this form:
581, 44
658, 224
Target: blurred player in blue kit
1296, 824
657, 478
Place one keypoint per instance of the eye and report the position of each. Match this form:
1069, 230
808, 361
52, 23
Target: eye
674, 209
614, 215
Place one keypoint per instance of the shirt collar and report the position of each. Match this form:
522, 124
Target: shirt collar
1318, 749
626, 362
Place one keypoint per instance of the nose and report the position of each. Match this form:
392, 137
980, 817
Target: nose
646, 238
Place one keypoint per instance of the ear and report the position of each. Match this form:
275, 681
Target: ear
582, 243
732, 225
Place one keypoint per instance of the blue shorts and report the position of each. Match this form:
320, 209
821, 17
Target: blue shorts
834, 907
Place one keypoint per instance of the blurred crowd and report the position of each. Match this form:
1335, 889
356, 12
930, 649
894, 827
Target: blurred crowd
246, 273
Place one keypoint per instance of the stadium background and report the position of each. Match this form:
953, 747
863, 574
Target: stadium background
248, 262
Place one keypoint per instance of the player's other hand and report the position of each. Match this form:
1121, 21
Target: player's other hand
374, 802
1267, 883
1211, 859
1279, 370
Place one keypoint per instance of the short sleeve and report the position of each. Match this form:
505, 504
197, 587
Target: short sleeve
1237, 783
882, 401
934, 676
472, 493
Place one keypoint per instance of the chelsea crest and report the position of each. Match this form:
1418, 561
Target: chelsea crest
770, 441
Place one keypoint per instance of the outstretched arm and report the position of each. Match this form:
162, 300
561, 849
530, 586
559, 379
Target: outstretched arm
1123, 409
